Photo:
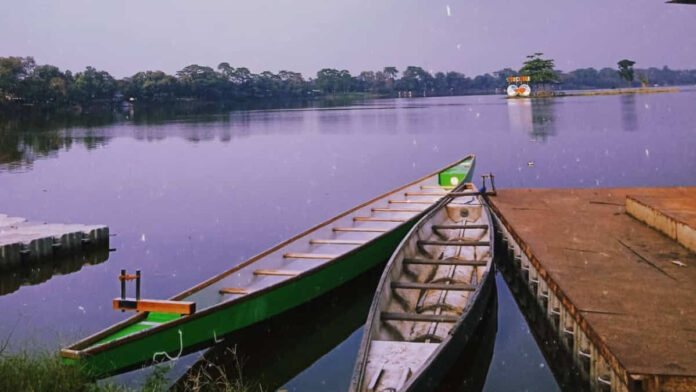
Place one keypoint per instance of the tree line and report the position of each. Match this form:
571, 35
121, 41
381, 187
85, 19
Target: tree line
22, 81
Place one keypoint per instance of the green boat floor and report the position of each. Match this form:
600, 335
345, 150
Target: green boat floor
151, 319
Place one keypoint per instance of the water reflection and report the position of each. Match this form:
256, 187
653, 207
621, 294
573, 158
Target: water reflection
11, 281
535, 117
629, 115
560, 361
19, 150
274, 352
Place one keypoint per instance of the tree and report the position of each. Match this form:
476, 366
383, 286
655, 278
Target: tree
416, 79
330, 80
626, 70
92, 84
200, 81
390, 72
150, 86
13, 71
540, 70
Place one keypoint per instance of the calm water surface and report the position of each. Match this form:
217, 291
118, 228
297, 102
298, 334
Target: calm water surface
194, 195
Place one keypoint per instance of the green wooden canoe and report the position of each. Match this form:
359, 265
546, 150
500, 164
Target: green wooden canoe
287, 275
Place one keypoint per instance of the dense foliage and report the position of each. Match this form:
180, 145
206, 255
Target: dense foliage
22, 81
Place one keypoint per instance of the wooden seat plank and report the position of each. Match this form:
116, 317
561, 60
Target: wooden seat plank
372, 219
455, 227
450, 261
409, 202
336, 242
397, 210
437, 318
432, 286
360, 229
276, 272
234, 290
312, 256
455, 243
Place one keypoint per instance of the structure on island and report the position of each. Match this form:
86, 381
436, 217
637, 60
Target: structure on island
523, 90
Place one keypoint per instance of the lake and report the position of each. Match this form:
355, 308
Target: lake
188, 196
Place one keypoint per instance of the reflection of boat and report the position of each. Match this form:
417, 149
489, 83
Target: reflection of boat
520, 115
275, 351
469, 371
431, 298
11, 281
278, 279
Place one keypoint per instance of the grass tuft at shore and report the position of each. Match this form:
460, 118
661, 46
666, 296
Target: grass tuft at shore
39, 373
45, 372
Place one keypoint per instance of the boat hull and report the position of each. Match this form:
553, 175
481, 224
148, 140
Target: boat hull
189, 333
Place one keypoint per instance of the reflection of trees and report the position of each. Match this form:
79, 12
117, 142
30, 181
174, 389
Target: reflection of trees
543, 119
628, 112
533, 116
27, 137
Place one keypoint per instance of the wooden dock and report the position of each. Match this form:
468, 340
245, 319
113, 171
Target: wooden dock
621, 295
23, 243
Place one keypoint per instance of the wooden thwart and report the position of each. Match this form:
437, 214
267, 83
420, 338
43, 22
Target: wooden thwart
437, 318
455, 227
155, 305
470, 263
372, 219
360, 229
455, 243
234, 290
314, 256
276, 272
337, 242
432, 286
396, 210
409, 202
407, 194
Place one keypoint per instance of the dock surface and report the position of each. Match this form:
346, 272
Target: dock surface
629, 287
23, 242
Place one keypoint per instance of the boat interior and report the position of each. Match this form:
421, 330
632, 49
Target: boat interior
432, 280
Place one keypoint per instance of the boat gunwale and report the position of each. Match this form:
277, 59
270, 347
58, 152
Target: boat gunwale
86, 346
363, 352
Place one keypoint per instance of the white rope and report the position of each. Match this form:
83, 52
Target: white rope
164, 353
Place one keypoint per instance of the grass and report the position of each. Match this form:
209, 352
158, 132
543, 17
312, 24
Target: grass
210, 377
46, 373
39, 373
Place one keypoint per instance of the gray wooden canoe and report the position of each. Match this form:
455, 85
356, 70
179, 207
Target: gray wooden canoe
430, 299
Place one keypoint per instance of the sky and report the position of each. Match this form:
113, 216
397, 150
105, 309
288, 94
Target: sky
468, 36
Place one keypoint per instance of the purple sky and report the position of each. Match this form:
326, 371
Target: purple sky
473, 36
